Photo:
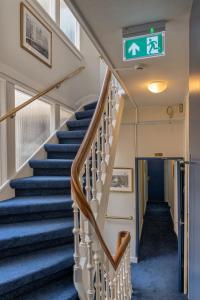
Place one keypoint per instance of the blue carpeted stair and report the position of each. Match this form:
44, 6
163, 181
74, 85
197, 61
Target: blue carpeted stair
36, 240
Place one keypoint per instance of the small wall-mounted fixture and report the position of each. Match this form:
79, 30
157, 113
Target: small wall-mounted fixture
170, 112
139, 67
159, 154
180, 107
157, 87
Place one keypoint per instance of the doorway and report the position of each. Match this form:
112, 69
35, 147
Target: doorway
160, 218
155, 180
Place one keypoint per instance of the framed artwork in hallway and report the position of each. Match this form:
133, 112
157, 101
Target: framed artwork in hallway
35, 37
122, 180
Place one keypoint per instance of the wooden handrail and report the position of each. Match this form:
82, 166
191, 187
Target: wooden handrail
77, 192
13, 111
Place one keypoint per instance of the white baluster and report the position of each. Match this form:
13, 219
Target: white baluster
121, 281
77, 267
106, 276
82, 221
118, 285
124, 277
107, 133
115, 285
103, 151
112, 288
110, 112
102, 272
99, 172
97, 274
129, 271
94, 202
114, 99
88, 183
90, 266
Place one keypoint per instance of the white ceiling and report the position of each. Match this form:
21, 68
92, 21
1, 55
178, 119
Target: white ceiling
108, 17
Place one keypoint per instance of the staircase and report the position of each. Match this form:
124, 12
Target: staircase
36, 239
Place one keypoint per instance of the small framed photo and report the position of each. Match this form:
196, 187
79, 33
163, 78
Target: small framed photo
35, 37
122, 180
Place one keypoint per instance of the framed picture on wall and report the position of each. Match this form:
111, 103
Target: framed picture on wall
122, 180
35, 37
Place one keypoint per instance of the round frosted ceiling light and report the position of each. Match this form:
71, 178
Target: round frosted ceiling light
157, 87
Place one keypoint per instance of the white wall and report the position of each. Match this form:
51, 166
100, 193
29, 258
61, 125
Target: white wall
154, 134
17, 63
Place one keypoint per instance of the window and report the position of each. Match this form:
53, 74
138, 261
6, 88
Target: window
69, 24
33, 126
49, 6
62, 15
64, 115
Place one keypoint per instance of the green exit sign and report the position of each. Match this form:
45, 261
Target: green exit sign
140, 47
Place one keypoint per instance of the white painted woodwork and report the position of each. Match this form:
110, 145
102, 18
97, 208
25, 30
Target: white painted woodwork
99, 280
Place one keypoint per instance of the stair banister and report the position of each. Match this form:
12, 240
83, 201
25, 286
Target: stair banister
116, 269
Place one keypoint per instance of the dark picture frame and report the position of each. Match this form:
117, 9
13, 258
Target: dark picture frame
35, 36
122, 180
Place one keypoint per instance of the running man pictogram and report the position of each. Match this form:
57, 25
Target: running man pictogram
152, 45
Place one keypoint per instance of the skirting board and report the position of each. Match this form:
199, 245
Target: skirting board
134, 259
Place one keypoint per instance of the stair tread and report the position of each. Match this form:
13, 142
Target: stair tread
22, 269
34, 204
62, 289
51, 163
23, 233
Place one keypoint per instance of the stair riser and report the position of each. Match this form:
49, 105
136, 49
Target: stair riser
61, 155
52, 172
42, 192
8, 219
90, 106
74, 128
70, 141
37, 245
84, 115
16, 293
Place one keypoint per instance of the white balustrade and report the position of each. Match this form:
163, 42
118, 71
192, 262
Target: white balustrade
103, 282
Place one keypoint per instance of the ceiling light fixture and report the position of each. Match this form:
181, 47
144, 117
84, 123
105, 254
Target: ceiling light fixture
157, 86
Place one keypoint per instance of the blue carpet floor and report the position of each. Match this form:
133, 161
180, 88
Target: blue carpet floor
36, 239
155, 277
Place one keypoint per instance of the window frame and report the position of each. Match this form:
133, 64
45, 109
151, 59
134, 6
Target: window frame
67, 110
3, 135
55, 25
31, 94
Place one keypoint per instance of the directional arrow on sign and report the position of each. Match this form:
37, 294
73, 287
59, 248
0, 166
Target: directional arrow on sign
134, 48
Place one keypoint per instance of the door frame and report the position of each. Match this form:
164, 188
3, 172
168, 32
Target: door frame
137, 204
181, 222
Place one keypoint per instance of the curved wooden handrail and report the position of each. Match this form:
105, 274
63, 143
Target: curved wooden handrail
13, 111
77, 166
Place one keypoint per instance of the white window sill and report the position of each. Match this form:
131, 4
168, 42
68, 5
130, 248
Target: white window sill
54, 27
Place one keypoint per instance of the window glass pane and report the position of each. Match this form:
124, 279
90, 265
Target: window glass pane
68, 23
64, 115
49, 6
32, 126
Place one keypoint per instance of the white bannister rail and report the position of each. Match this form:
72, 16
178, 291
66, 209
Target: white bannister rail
98, 274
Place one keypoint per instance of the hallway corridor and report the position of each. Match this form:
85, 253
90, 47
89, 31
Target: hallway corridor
155, 277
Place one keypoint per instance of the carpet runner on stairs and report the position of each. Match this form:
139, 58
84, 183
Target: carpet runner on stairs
36, 240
